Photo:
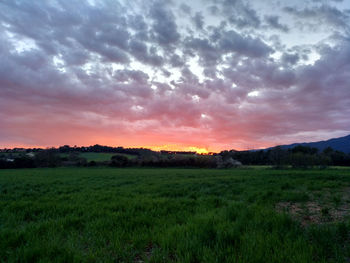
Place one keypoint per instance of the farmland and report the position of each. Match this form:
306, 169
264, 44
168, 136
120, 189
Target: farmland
174, 215
99, 157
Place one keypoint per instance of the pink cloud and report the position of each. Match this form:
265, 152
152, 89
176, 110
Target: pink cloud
126, 79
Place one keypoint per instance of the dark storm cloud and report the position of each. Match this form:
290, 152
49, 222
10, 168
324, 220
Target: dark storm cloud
136, 75
237, 12
231, 41
329, 15
291, 59
206, 51
137, 22
176, 61
221, 42
164, 26
198, 20
273, 22
140, 51
54, 26
339, 1
185, 8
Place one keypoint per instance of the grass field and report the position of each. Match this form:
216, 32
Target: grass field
174, 215
99, 157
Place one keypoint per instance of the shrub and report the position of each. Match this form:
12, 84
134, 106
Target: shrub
119, 161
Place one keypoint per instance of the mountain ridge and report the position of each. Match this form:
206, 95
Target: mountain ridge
340, 144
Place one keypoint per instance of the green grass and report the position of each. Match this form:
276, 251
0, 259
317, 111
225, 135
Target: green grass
100, 157
170, 215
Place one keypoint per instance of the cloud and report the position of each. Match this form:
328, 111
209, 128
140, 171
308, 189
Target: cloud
207, 52
290, 59
136, 74
323, 15
164, 25
273, 22
185, 8
231, 41
238, 13
198, 20
141, 52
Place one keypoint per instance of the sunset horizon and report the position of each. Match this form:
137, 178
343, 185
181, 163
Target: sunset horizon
205, 75
166, 147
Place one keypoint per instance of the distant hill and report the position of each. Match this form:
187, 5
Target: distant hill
341, 144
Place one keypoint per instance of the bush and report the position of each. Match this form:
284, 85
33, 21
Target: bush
92, 163
301, 160
20, 162
119, 161
47, 158
226, 162
177, 160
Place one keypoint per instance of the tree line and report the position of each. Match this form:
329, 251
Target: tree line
299, 156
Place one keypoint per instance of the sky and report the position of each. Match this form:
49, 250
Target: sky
204, 75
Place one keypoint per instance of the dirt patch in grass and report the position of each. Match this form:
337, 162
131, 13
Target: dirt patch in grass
326, 205
149, 249
313, 212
